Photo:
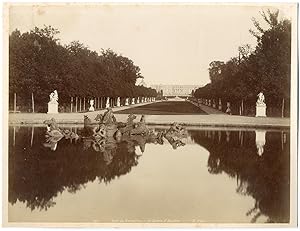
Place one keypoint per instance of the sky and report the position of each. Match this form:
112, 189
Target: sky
171, 43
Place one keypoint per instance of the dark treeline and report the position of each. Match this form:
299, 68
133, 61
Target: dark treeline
265, 178
266, 68
37, 175
39, 64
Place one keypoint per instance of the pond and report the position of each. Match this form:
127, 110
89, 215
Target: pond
213, 176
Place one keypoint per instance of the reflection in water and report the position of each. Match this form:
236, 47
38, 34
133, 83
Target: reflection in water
261, 172
260, 139
37, 174
14, 136
39, 171
241, 137
32, 134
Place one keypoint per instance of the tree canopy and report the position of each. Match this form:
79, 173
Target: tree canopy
39, 64
266, 68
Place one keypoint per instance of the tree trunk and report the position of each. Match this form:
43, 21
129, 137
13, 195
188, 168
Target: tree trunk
76, 101
83, 103
242, 107
282, 108
32, 100
15, 102
71, 104
79, 104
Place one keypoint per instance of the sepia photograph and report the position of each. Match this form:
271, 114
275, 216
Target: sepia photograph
150, 114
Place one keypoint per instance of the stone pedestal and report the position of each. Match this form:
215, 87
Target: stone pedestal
261, 110
52, 108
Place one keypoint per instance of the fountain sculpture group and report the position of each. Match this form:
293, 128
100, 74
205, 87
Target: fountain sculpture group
108, 130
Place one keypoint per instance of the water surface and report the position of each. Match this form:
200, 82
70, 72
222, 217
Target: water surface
216, 177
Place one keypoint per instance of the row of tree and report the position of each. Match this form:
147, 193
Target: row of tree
38, 64
266, 68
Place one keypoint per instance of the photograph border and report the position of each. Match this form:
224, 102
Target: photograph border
293, 133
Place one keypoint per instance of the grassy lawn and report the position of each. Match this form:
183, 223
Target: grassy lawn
164, 108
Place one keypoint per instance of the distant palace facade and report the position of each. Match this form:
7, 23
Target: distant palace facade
175, 90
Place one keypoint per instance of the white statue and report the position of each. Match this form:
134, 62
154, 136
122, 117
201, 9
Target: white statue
228, 110
132, 102
261, 99
261, 107
91, 105
214, 103
118, 102
220, 105
126, 102
53, 103
138, 100
53, 97
107, 103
